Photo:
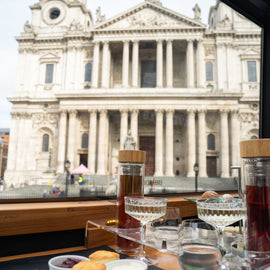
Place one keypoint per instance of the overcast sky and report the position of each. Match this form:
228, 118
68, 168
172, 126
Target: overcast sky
14, 13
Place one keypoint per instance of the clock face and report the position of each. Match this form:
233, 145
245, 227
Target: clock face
54, 12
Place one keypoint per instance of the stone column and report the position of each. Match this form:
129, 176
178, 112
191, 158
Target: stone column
221, 66
92, 140
191, 140
62, 141
105, 65
169, 143
169, 63
12, 148
95, 66
159, 143
135, 63
125, 64
72, 138
159, 63
123, 127
101, 169
202, 143
134, 125
190, 64
235, 135
224, 144
200, 64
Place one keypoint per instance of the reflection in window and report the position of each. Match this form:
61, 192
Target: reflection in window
45, 143
49, 73
252, 73
211, 142
88, 72
209, 71
84, 140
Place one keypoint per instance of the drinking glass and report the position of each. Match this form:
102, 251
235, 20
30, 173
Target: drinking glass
165, 230
221, 212
198, 246
145, 209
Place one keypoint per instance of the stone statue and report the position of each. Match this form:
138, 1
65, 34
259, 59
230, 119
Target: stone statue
129, 143
100, 18
197, 12
27, 27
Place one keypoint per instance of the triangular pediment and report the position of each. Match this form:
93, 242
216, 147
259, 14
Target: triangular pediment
149, 15
49, 57
250, 52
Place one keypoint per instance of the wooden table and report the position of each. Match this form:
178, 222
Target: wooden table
166, 261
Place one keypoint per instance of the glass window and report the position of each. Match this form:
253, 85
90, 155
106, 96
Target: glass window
211, 142
148, 74
49, 73
45, 143
88, 72
209, 71
252, 71
84, 140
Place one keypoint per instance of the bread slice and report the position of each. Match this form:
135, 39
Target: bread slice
86, 265
103, 256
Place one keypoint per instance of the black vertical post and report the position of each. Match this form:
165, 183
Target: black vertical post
265, 84
196, 181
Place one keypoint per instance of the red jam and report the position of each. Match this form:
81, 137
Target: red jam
69, 262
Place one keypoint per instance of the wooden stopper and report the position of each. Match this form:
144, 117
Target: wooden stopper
132, 156
255, 148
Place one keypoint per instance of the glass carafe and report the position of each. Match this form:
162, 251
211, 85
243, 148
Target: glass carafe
255, 155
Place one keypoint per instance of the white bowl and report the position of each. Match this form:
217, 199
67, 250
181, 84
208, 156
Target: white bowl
53, 262
125, 264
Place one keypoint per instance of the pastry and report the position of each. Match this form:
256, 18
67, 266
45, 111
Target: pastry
104, 256
86, 265
210, 194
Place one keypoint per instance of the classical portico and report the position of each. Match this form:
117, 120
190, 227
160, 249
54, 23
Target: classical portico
163, 129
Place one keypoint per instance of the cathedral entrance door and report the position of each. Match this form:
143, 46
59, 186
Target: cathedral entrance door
212, 166
147, 143
83, 159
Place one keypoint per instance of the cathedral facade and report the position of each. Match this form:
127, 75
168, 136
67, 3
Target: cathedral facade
188, 92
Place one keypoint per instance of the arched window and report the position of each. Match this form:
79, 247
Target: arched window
211, 144
88, 72
209, 71
45, 143
84, 140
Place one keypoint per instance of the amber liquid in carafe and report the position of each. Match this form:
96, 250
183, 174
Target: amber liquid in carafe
130, 185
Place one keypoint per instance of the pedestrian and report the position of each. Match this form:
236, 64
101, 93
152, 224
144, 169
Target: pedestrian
62, 193
80, 180
72, 179
2, 184
45, 193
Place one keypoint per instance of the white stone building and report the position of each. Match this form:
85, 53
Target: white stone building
188, 92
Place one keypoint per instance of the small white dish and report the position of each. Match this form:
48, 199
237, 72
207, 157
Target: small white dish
58, 260
125, 264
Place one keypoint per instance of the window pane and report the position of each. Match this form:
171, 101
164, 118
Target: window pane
194, 115
49, 73
148, 75
252, 73
209, 71
88, 72
211, 142
84, 140
45, 143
